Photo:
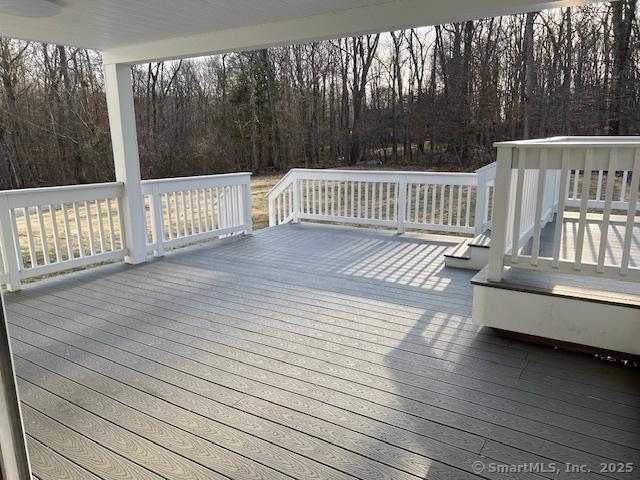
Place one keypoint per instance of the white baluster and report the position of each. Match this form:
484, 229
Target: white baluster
584, 204
56, 233
100, 226
425, 201
402, 204
157, 232
631, 214
539, 208
112, 233
79, 233
67, 232
606, 213
562, 198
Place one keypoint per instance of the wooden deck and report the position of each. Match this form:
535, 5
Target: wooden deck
302, 352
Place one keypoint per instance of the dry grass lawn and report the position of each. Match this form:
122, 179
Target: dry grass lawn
260, 186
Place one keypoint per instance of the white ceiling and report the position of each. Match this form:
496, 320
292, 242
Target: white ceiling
134, 31
106, 24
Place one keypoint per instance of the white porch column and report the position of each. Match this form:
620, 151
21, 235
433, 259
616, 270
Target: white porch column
124, 141
500, 214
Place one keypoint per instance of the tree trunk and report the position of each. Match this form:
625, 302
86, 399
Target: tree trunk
566, 81
13, 130
72, 131
623, 19
529, 74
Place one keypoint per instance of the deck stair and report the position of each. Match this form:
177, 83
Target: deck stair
471, 254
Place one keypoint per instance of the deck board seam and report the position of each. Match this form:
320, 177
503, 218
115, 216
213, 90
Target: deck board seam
188, 334
108, 311
200, 308
103, 447
412, 414
318, 371
294, 378
315, 309
483, 355
197, 394
31, 438
264, 418
141, 412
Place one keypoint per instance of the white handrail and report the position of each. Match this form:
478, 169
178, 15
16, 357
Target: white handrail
575, 181
572, 141
435, 201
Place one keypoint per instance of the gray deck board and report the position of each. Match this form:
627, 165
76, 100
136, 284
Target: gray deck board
300, 352
46, 463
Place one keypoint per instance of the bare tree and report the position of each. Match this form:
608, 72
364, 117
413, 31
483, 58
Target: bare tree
529, 73
435, 97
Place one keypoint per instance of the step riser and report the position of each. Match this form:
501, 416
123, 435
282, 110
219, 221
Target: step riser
479, 258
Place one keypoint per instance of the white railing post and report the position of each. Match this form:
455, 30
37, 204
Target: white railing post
285, 197
122, 122
499, 225
273, 220
485, 177
401, 204
247, 207
481, 202
9, 248
157, 226
296, 199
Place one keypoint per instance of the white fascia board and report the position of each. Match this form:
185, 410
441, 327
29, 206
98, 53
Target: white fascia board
384, 17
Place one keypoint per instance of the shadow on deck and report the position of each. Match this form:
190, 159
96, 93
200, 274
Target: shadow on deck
593, 227
303, 351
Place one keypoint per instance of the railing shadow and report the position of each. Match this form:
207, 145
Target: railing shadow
434, 383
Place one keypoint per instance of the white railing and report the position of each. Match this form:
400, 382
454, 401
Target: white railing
596, 194
49, 230
434, 201
44, 230
536, 197
589, 181
191, 209
484, 192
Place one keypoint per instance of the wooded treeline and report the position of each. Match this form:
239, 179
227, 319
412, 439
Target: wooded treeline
431, 98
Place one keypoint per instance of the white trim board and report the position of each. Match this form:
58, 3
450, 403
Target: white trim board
573, 320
